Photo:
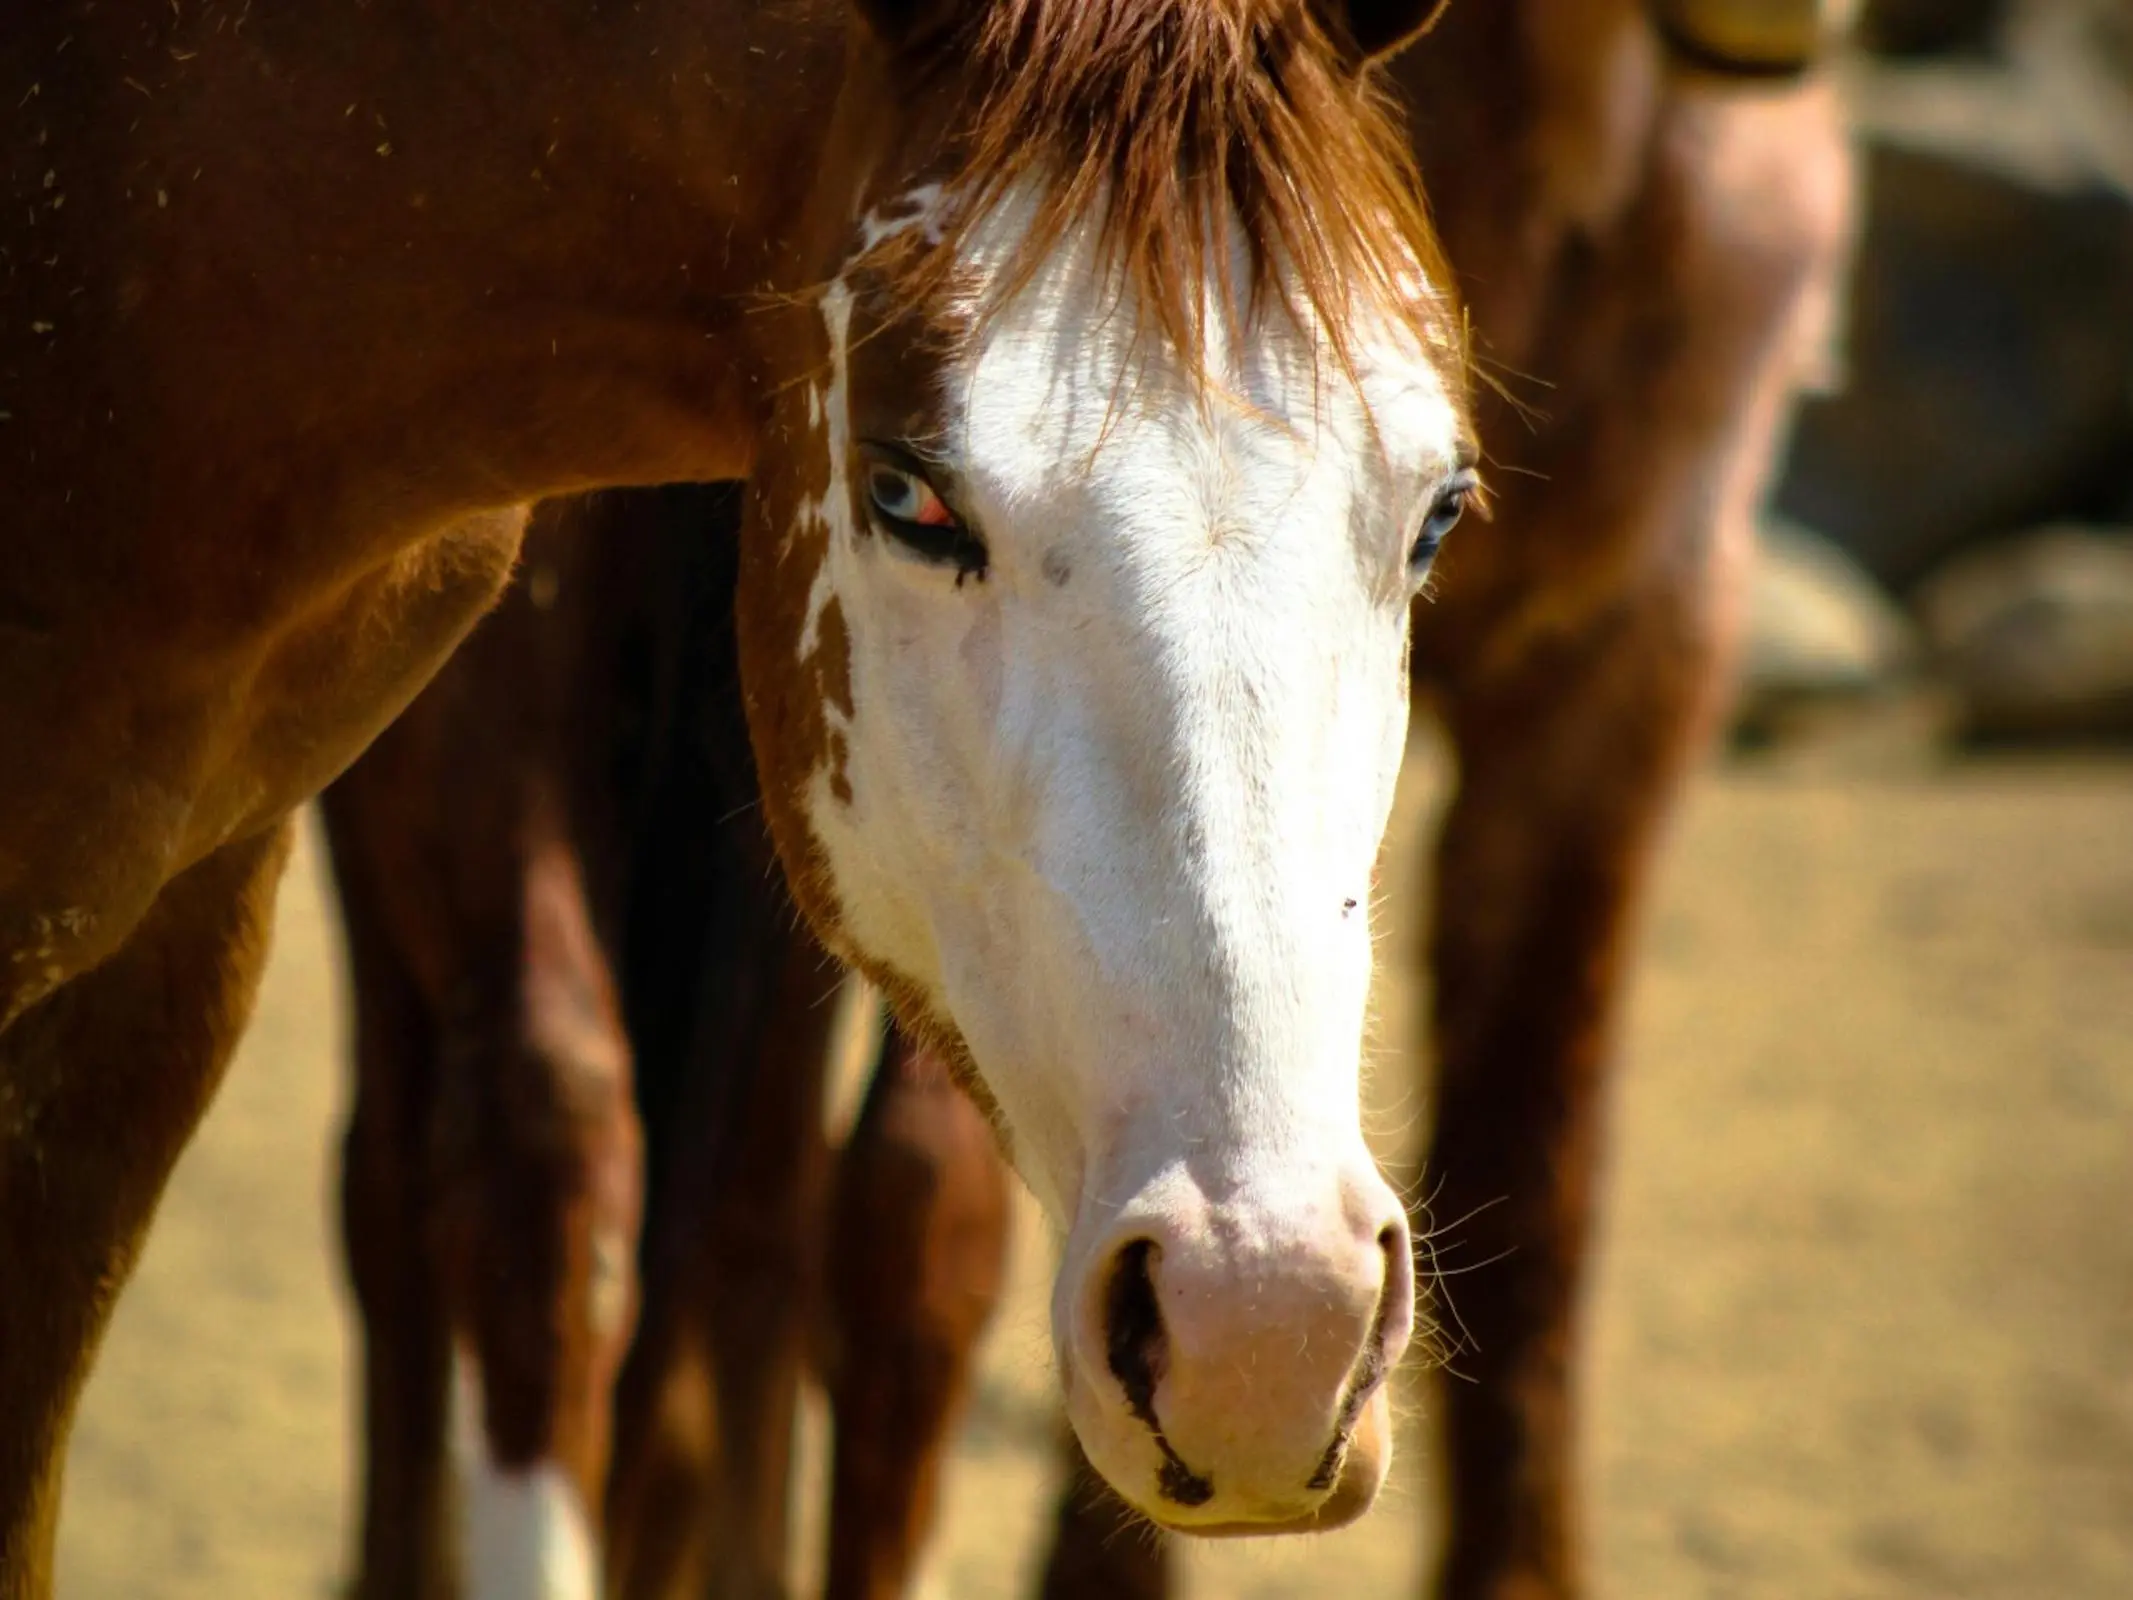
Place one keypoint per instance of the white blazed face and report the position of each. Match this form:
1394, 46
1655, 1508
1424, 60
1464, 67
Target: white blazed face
1129, 696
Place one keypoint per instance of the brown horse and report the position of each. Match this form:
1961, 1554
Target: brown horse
1673, 245
1102, 422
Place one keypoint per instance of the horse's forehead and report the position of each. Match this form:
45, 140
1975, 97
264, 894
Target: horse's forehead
1066, 384
1068, 354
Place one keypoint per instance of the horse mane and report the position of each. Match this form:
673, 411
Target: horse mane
1177, 125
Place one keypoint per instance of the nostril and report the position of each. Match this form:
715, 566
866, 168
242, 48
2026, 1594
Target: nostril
1138, 1350
1387, 1324
1370, 1371
1394, 1321
1133, 1338
1134, 1343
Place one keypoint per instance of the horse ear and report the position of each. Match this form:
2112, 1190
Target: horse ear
1378, 28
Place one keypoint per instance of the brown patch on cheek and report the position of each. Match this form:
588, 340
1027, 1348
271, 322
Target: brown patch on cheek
829, 666
893, 378
794, 739
840, 755
783, 548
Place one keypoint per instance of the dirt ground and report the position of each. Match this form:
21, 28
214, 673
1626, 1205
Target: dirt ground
1864, 1315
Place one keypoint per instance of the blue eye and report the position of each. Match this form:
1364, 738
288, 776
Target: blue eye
906, 497
1443, 516
910, 510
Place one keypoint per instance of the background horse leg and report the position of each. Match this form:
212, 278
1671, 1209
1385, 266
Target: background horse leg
536, 1170
917, 1250
704, 1454
1101, 1548
732, 1008
101, 1085
405, 1547
493, 1172
1584, 649
1564, 776
759, 1276
491, 1191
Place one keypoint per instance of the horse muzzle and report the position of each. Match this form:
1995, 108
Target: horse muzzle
1226, 1362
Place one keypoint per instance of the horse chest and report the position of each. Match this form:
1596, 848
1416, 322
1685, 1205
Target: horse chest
157, 763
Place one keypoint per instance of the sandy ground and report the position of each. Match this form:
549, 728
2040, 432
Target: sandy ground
1864, 1316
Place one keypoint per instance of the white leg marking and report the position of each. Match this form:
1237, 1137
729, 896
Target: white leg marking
523, 1535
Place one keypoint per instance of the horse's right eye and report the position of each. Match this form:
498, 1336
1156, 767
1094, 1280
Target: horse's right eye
906, 497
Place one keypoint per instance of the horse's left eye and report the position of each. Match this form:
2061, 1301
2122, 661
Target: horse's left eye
1443, 516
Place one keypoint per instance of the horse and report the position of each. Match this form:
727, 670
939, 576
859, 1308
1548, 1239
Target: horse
1101, 425
1666, 269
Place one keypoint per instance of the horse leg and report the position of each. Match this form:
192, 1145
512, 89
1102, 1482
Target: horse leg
101, 1085
699, 1499
535, 1163
923, 1186
405, 1548
759, 1276
1566, 771
917, 1248
1101, 1548
1576, 696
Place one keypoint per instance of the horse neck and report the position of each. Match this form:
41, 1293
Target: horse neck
526, 244
1533, 119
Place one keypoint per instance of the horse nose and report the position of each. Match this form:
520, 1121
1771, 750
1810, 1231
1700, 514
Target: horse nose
1230, 1360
